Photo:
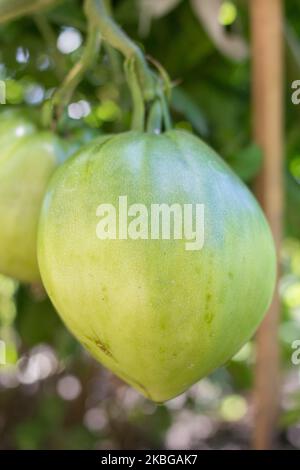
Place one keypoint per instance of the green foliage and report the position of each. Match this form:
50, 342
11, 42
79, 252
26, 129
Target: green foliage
211, 97
30, 312
247, 162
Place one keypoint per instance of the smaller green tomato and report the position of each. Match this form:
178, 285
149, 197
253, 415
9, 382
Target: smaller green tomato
28, 158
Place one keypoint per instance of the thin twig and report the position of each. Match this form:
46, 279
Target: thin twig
12, 10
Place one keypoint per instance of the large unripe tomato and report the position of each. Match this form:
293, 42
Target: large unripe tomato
158, 315
27, 160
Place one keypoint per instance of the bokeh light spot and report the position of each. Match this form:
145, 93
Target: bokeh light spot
227, 14
69, 40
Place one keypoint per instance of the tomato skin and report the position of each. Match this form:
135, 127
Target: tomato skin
157, 315
11, 131
28, 158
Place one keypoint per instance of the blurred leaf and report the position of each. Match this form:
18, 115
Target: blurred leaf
290, 417
292, 213
14, 92
51, 412
247, 162
242, 375
78, 438
157, 422
29, 435
185, 105
37, 320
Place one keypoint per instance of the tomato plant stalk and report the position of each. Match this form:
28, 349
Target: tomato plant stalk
145, 85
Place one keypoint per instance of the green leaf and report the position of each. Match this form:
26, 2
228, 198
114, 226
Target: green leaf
37, 320
247, 162
185, 105
289, 418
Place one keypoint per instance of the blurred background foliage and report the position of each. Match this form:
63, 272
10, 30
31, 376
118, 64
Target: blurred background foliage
52, 394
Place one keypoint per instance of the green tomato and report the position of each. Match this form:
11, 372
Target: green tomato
11, 131
159, 315
27, 160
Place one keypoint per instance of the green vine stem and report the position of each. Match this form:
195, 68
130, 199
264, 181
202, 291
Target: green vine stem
163, 92
49, 36
64, 93
167, 85
165, 112
114, 55
154, 123
117, 38
138, 116
116, 63
13, 9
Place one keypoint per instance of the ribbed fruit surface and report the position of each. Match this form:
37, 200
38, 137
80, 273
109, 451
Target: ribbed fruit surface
159, 316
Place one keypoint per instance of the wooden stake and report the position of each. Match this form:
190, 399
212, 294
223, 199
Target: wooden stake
267, 92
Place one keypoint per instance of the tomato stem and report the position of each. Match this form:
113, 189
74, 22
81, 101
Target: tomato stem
138, 117
154, 123
166, 112
64, 93
144, 84
74, 77
117, 38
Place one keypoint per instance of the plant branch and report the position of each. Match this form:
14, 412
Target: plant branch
117, 38
64, 93
138, 116
49, 36
13, 9
76, 74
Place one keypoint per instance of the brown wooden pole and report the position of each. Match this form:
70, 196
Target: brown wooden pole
267, 93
